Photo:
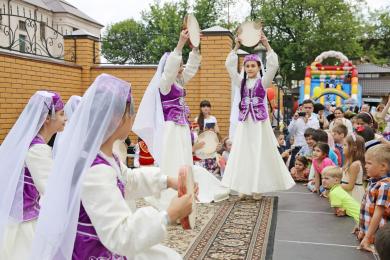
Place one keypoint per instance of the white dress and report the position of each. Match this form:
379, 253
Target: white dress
358, 190
135, 234
19, 236
255, 164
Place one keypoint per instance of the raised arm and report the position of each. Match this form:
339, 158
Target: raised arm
232, 63
172, 65
192, 65
384, 112
272, 63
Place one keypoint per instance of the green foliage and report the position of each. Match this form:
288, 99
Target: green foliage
124, 42
377, 41
301, 30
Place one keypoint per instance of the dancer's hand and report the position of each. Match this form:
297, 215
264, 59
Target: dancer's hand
184, 36
264, 41
180, 207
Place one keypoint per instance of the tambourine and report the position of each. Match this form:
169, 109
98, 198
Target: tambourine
210, 139
192, 25
120, 149
185, 186
249, 33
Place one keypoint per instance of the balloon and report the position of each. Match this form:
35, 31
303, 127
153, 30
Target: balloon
270, 93
317, 91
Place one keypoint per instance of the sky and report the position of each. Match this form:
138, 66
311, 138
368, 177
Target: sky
107, 12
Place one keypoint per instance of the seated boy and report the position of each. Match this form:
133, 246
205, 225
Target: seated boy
339, 199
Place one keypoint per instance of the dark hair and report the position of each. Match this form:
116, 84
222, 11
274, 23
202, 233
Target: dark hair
382, 242
366, 132
318, 107
320, 136
308, 101
366, 118
324, 147
303, 160
309, 132
203, 103
340, 129
340, 109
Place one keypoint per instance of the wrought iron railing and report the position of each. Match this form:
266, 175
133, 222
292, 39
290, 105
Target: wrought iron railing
31, 34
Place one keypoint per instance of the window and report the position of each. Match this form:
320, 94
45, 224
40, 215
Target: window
22, 26
22, 43
42, 30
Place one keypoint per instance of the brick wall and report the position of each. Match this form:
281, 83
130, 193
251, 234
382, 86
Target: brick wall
20, 77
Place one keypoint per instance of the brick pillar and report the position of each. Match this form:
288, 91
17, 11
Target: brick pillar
83, 45
214, 80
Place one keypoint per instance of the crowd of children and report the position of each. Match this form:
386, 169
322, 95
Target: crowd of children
350, 167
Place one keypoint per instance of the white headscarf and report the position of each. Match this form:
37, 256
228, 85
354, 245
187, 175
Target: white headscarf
13, 152
99, 113
149, 122
69, 109
236, 92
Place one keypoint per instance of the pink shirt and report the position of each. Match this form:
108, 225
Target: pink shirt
325, 163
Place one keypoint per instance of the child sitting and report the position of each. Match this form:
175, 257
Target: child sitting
282, 148
322, 136
320, 161
339, 132
375, 207
339, 199
352, 180
300, 172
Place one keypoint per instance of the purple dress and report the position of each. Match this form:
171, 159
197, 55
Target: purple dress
174, 106
87, 244
30, 192
253, 103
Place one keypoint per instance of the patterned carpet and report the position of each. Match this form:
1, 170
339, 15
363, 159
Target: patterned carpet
231, 229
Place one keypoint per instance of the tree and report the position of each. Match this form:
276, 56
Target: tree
163, 24
377, 41
124, 42
206, 12
301, 30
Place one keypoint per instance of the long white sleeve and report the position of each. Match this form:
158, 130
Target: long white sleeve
119, 229
231, 66
143, 182
272, 69
192, 65
39, 162
171, 69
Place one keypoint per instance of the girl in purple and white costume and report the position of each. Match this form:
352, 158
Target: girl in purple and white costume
162, 121
25, 164
85, 214
255, 165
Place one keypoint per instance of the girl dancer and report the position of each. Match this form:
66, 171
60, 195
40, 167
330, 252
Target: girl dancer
255, 165
25, 164
102, 226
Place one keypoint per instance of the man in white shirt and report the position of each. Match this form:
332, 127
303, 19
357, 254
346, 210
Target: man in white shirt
302, 121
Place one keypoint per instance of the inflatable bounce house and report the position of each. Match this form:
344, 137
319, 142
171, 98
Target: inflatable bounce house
337, 85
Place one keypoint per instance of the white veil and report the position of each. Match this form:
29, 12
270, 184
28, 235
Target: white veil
69, 109
149, 121
236, 92
98, 115
13, 152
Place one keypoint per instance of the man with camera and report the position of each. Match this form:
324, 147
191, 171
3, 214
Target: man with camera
302, 120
